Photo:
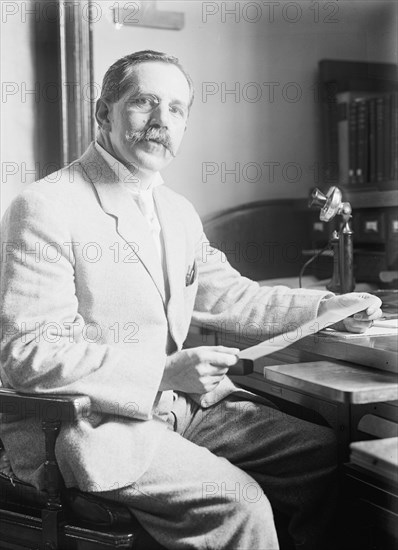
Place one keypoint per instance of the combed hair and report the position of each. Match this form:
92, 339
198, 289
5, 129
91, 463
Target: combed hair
117, 79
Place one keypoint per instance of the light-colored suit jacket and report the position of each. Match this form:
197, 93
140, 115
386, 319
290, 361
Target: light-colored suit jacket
84, 312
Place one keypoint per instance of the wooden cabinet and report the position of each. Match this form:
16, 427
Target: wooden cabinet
375, 226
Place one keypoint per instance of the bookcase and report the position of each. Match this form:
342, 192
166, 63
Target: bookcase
359, 154
359, 114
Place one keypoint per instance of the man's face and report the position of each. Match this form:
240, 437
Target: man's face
148, 122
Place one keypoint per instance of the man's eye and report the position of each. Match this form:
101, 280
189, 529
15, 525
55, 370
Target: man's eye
141, 101
144, 102
177, 110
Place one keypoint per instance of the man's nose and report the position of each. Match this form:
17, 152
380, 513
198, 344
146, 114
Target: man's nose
160, 116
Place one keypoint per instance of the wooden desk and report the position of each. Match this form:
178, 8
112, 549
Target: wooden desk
352, 384
378, 352
335, 381
311, 375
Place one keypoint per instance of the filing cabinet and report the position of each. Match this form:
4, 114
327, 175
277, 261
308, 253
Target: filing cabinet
320, 231
392, 238
375, 243
369, 226
368, 264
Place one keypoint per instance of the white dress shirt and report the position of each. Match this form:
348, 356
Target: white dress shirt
143, 198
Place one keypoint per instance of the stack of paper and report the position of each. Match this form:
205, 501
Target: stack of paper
379, 456
380, 328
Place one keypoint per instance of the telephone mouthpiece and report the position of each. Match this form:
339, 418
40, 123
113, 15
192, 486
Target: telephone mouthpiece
317, 198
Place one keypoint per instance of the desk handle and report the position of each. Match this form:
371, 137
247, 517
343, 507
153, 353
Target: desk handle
242, 368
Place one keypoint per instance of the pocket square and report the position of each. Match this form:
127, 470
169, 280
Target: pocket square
191, 274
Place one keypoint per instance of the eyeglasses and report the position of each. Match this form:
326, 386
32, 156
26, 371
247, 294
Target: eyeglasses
146, 103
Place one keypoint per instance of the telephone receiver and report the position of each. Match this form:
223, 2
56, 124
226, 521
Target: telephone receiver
330, 204
341, 242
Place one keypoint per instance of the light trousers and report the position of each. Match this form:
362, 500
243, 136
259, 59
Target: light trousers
237, 476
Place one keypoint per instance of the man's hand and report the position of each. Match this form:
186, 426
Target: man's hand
361, 321
198, 370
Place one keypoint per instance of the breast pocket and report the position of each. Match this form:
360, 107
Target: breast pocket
190, 291
191, 275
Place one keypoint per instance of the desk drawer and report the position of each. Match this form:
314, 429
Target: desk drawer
377, 426
392, 238
370, 227
374, 420
392, 223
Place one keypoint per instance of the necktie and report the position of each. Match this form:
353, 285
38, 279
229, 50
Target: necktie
146, 204
144, 200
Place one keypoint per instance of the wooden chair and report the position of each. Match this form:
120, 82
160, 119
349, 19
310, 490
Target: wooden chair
59, 518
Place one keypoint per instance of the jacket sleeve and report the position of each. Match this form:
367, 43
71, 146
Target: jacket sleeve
228, 301
43, 348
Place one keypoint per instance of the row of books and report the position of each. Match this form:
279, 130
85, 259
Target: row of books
359, 122
367, 133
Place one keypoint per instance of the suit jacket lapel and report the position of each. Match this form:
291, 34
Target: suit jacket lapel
174, 243
130, 223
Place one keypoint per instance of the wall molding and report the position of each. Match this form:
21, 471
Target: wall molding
77, 93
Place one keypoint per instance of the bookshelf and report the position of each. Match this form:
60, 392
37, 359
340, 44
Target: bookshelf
359, 129
370, 198
359, 114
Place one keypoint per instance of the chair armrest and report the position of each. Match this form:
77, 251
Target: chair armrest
48, 408
52, 410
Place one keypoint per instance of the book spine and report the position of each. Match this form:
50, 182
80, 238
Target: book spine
362, 142
380, 175
387, 136
372, 140
352, 142
342, 117
394, 137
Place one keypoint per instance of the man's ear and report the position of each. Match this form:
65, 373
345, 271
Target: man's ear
102, 115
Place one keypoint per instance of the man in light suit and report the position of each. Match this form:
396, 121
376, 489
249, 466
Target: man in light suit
103, 269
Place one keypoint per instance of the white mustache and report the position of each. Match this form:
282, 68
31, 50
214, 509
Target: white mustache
155, 134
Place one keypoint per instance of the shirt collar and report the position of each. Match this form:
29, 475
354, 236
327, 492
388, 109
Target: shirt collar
124, 175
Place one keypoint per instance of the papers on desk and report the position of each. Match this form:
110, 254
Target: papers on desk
378, 456
345, 306
380, 328
310, 281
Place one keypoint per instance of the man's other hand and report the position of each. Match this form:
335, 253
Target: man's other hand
361, 321
198, 370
